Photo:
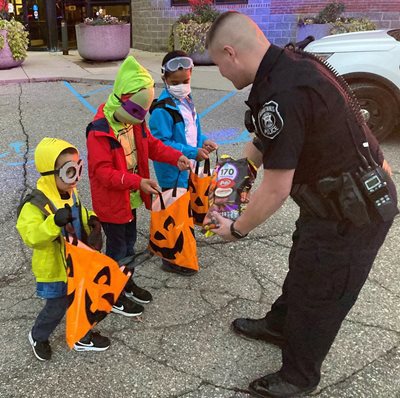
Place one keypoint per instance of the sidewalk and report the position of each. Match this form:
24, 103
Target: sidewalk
46, 66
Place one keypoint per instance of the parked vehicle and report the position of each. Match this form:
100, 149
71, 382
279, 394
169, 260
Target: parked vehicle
370, 63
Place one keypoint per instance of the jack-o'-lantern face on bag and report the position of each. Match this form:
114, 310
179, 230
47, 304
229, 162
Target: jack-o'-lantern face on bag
172, 232
199, 189
199, 186
94, 283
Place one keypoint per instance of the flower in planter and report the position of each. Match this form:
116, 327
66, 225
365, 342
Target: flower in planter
352, 25
331, 14
191, 28
17, 38
103, 20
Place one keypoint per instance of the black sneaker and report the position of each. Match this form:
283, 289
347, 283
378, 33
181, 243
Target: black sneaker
137, 293
176, 269
127, 307
95, 342
41, 349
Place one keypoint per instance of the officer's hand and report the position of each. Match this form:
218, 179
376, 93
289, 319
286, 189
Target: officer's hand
386, 167
149, 186
183, 163
210, 146
202, 154
63, 216
95, 238
224, 226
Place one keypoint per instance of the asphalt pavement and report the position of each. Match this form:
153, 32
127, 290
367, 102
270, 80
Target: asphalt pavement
182, 346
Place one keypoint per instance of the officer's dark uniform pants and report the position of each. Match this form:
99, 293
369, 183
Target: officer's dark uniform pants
328, 265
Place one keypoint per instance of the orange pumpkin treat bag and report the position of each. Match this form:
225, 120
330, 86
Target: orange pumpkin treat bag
172, 228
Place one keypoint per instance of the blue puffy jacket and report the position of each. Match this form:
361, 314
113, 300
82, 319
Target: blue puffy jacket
163, 127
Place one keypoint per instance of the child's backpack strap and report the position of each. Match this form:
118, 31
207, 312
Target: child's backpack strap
98, 125
103, 126
40, 200
166, 104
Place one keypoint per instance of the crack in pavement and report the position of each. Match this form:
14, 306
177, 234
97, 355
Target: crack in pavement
350, 376
165, 363
376, 282
370, 325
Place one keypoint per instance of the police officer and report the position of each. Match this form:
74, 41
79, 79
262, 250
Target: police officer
315, 146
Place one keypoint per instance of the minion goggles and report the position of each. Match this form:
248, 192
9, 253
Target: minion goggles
177, 63
69, 172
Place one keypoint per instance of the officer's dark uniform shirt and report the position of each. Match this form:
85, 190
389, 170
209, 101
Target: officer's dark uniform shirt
303, 118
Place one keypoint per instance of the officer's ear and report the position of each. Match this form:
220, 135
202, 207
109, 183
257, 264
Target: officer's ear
230, 52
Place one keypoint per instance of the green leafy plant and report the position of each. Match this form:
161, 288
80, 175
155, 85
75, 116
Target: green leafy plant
352, 25
191, 28
192, 36
17, 38
329, 14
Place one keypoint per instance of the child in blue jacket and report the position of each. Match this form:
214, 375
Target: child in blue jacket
174, 121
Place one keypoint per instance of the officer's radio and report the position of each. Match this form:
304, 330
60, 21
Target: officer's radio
374, 185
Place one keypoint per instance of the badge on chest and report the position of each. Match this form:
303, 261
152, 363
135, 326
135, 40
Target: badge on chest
270, 121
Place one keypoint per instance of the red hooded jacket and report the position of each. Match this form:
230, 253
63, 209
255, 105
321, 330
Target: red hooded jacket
110, 181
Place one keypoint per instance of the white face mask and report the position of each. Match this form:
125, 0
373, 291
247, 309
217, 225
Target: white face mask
179, 91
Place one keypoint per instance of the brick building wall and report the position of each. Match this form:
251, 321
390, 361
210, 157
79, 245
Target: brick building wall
284, 14
152, 19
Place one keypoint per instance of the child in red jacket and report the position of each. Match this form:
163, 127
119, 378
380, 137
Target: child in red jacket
119, 146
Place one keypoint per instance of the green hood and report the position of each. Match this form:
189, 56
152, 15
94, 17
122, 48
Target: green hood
131, 77
46, 154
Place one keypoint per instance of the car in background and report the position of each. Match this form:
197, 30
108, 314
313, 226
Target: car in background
370, 63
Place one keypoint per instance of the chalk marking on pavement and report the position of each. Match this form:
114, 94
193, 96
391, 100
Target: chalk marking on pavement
243, 136
89, 93
218, 103
228, 136
17, 152
80, 98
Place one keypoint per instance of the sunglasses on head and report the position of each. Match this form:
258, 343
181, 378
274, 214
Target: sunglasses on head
69, 172
177, 63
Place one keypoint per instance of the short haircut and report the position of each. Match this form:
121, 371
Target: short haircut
172, 55
215, 27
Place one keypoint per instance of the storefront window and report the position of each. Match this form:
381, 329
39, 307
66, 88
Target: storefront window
43, 18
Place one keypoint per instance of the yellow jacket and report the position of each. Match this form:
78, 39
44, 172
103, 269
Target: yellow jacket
45, 238
37, 229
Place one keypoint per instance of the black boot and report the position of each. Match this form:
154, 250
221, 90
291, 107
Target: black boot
273, 385
257, 329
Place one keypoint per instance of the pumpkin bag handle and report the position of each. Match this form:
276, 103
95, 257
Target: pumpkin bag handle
206, 169
207, 165
162, 203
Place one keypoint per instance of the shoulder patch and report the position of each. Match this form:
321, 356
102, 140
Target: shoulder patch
270, 120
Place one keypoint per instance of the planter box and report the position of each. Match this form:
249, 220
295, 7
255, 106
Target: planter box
103, 42
316, 30
199, 58
6, 59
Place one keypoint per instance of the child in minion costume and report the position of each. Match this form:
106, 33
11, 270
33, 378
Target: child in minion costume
119, 147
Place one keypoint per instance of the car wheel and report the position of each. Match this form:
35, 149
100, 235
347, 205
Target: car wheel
380, 105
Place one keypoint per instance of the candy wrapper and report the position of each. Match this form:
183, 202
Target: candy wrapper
229, 190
